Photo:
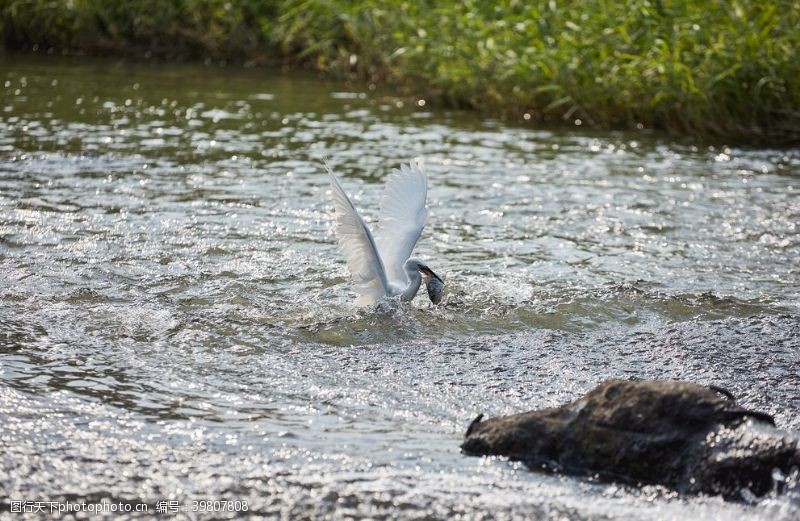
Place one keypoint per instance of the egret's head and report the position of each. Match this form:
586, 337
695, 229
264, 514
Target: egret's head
433, 282
423, 268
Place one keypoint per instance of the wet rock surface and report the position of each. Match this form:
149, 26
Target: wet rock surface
691, 438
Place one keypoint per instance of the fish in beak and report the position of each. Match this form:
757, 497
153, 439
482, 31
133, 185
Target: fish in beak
434, 284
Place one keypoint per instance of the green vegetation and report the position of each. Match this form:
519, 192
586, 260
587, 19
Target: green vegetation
726, 68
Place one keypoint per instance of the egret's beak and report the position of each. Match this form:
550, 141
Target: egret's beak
429, 273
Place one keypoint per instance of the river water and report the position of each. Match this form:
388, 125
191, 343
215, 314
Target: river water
176, 321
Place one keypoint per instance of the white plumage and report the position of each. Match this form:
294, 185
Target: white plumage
382, 266
403, 217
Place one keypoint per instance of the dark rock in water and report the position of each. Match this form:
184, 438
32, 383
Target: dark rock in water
688, 437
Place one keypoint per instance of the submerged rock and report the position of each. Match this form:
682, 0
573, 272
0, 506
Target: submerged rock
688, 437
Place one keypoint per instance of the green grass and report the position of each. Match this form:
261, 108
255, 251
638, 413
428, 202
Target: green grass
711, 69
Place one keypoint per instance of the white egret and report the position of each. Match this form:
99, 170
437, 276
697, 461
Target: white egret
382, 266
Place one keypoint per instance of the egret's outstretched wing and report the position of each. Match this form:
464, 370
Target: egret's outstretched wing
403, 216
358, 247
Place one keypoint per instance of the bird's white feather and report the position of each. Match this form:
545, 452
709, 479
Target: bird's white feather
402, 218
358, 246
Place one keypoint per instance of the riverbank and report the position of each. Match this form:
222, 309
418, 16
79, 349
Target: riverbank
707, 69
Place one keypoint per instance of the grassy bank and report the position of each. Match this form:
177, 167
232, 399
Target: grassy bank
707, 68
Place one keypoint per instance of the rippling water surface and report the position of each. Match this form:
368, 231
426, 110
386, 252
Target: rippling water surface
176, 321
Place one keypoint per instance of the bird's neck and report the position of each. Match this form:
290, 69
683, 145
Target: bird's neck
414, 282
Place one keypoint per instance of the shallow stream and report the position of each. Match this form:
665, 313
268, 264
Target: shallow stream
176, 320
